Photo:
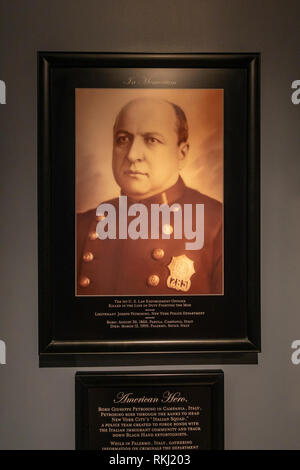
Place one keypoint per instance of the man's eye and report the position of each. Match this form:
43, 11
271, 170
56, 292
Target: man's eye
151, 140
122, 140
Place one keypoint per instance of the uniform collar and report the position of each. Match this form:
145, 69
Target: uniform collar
168, 196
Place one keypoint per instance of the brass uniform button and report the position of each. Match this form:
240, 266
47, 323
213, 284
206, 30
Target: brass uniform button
88, 256
158, 253
153, 280
93, 235
84, 281
167, 229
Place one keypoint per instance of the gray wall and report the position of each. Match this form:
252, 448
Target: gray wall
262, 406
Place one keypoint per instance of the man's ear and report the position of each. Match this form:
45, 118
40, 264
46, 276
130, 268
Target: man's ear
183, 150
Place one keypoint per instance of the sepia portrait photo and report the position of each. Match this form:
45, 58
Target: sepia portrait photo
149, 192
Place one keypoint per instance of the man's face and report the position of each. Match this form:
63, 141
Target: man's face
146, 154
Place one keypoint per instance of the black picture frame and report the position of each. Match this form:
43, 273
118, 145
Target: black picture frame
149, 384
67, 337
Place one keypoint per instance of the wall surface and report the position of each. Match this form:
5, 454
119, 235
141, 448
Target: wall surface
262, 406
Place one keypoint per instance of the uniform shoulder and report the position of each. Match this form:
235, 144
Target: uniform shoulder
83, 222
113, 202
213, 209
84, 216
192, 195
87, 215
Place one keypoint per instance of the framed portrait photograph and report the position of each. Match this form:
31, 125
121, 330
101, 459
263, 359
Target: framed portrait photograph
133, 412
149, 217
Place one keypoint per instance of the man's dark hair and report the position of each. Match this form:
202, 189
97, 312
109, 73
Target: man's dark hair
182, 125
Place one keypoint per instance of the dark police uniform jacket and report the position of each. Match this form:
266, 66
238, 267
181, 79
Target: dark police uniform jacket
152, 266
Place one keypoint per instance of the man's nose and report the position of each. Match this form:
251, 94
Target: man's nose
136, 151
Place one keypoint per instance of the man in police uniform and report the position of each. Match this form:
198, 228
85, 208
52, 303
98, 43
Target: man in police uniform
149, 150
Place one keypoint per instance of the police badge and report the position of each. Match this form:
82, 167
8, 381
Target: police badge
181, 270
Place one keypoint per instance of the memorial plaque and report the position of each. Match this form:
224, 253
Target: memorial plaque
148, 209
142, 412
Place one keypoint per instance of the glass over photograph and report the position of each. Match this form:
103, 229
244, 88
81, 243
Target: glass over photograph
149, 192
